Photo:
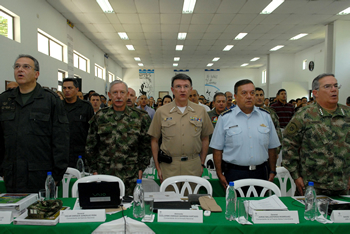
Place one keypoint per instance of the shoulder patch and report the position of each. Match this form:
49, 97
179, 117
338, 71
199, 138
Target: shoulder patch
262, 109
292, 128
225, 112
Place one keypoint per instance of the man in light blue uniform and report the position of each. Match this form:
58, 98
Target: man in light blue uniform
245, 139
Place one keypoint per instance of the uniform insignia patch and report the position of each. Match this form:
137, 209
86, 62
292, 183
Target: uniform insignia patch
292, 128
263, 125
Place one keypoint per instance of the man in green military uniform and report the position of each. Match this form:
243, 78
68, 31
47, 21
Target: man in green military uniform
117, 143
259, 102
316, 142
219, 107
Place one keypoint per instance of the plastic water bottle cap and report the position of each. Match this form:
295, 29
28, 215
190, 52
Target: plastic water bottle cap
231, 183
139, 181
79, 156
49, 173
311, 183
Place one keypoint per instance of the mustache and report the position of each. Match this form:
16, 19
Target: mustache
118, 100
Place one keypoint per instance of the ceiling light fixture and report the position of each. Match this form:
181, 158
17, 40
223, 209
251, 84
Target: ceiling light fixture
176, 58
277, 47
140, 64
216, 59
130, 47
181, 36
271, 7
345, 12
123, 35
228, 47
210, 64
244, 64
137, 59
240, 36
179, 47
105, 6
299, 36
188, 6
254, 59
175, 64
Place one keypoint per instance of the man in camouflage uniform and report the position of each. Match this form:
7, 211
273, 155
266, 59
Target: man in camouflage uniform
117, 142
259, 102
316, 142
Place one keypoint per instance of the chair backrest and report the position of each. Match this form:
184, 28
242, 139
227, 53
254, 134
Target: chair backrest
208, 159
266, 186
94, 178
70, 172
186, 180
284, 176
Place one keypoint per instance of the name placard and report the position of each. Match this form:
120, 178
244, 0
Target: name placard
82, 216
180, 216
275, 216
6, 217
340, 216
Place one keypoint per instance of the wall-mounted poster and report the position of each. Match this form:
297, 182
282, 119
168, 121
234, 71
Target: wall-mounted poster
211, 80
163, 93
146, 82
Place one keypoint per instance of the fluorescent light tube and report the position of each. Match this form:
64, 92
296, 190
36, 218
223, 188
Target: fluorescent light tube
179, 47
254, 59
175, 64
181, 36
137, 59
240, 36
228, 47
123, 35
188, 6
176, 58
105, 6
277, 47
216, 59
272, 6
130, 47
298, 36
140, 64
244, 64
210, 64
345, 12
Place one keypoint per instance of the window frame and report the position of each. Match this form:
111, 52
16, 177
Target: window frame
50, 38
80, 56
102, 71
13, 24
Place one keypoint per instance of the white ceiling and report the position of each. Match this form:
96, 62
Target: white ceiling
153, 25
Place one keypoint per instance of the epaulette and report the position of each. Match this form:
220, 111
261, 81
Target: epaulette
225, 112
262, 109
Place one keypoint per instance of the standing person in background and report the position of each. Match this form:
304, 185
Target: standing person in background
143, 106
229, 98
34, 131
194, 97
95, 100
166, 99
79, 112
284, 110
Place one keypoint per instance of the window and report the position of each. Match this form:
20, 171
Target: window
304, 64
50, 46
80, 61
99, 71
61, 76
6, 24
110, 77
263, 77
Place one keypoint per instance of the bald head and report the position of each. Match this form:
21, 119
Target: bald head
193, 96
131, 98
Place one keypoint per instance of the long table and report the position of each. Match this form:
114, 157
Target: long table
216, 224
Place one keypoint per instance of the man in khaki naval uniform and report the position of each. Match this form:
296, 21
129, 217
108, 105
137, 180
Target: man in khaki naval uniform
185, 128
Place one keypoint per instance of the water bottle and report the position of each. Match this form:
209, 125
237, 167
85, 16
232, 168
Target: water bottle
310, 202
50, 187
231, 199
80, 166
139, 202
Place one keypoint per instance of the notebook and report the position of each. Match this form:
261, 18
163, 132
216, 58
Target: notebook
99, 195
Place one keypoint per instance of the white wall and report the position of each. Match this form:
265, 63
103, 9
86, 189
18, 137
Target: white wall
36, 14
162, 82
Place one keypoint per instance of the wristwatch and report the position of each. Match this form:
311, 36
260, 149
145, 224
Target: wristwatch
273, 172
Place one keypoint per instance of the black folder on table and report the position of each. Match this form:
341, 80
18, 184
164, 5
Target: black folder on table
171, 205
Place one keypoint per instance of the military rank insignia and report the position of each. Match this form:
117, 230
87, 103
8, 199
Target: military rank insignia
195, 119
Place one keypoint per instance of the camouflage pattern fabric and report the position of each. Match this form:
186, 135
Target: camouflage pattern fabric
119, 146
276, 122
44, 209
316, 146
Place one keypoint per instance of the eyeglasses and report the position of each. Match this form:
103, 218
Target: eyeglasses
25, 66
179, 87
330, 86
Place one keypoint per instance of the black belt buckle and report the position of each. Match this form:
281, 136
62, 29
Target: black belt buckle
184, 158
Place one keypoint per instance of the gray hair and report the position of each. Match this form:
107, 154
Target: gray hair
316, 81
118, 82
36, 63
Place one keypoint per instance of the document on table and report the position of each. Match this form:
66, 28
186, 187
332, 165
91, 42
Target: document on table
164, 196
270, 203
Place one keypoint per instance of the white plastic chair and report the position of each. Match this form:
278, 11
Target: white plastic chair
70, 172
209, 157
186, 180
95, 178
283, 176
266, 185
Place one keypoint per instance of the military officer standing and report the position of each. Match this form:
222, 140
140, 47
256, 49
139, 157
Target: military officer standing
117, 143
244, 139
185, 128
34, 131
316, 142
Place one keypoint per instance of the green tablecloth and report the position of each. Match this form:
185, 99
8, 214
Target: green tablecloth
216, 223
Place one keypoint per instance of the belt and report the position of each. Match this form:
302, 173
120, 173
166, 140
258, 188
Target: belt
245, 168
185, 158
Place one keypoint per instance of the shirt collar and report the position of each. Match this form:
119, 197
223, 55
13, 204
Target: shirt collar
236, 110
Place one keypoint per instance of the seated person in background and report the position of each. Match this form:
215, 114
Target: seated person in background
117, 142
